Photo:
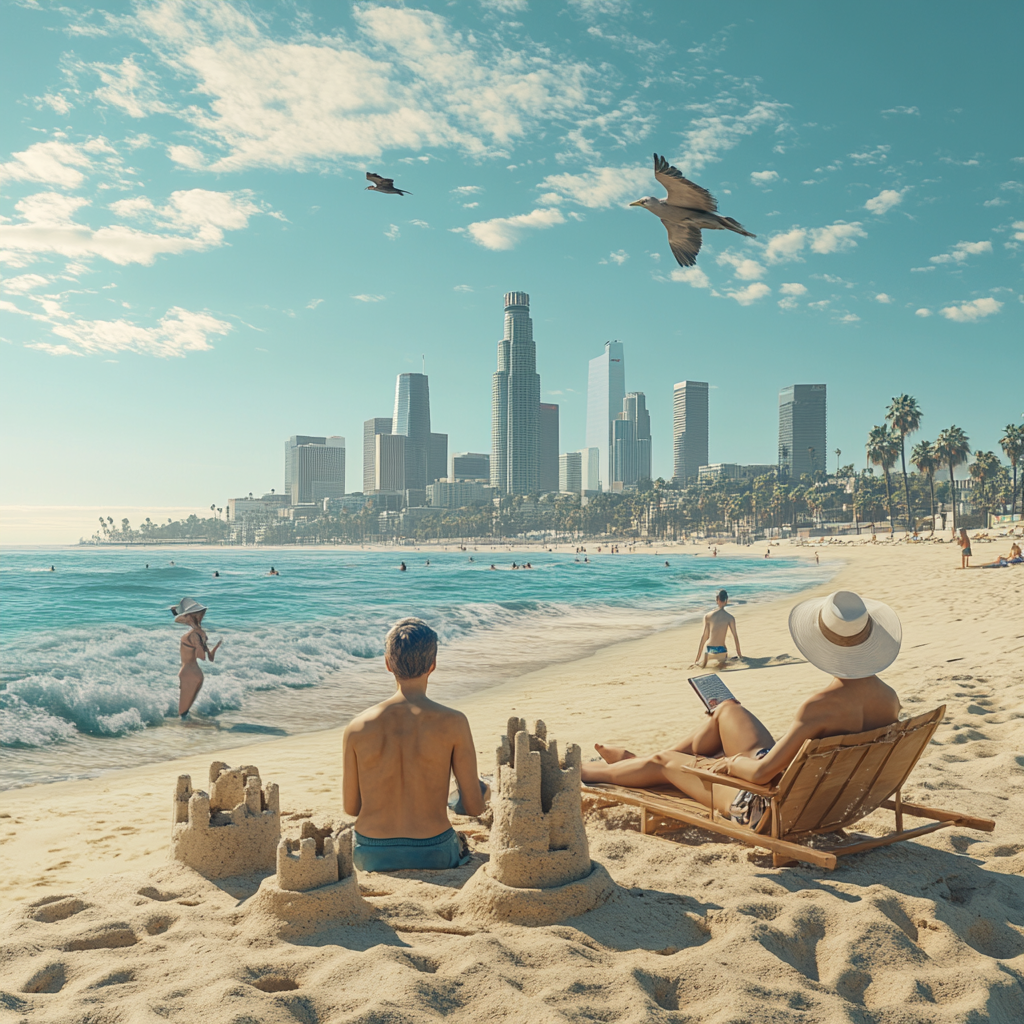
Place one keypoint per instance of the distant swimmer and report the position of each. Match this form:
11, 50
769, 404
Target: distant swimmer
147, 565
401, 568
172, 563
273, 572
216, 574
52, 569
666, 565
193, 647
471, 558
428, 561
493, 566
587, 560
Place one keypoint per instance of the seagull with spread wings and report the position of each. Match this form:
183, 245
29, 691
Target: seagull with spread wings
687, 210
385, 185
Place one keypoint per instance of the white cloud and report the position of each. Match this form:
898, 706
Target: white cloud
462, 288
753, 292
419, 223
57, 102
47, 225
902, 110
403, 79
877, 155
848, 318
618, 257
505, 232
976, 309
599, 187
922, 312
837, 237
470, 206
788, 303
719, 131
884, 201
786, 245
370, 298
23, 283
820, 304
693, 276
764, 177
883, 298
743, 268
960, 252
793, 288
998, 201
589, 8
1018, 228
467, 190
392, 232
313, 303
53, 162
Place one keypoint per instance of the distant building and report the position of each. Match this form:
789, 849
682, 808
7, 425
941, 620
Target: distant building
631, 442
437, 464
388, 464
515, 403
606, 390
590, 470
314, 468
470, 466
547, 428
445, 494
802, 433
733, 471
412, 419
371, 428
570, 472
689, 429
351, 503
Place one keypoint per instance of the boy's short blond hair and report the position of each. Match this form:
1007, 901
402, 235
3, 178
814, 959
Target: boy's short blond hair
411, 648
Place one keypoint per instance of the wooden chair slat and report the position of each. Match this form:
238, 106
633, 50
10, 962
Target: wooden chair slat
845, 808
899, 766
843, 764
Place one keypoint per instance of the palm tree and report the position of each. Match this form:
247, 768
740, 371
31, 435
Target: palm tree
883, 447
839, 452
952, 447
1012, 443
905, 416
984, 468
923, 458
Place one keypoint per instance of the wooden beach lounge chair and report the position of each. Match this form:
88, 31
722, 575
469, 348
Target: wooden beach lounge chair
831, 784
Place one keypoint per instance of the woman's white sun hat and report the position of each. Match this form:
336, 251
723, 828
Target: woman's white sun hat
846, 635
186, 606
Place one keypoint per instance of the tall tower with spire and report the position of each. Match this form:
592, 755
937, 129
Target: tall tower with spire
515, 403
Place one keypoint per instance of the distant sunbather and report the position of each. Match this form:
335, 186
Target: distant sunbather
843, 634
399, 756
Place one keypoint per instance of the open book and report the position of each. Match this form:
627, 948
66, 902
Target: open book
711, 690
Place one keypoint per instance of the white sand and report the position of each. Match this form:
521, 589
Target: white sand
700, 930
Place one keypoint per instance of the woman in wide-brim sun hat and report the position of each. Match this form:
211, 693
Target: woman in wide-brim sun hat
846, 635
194, 647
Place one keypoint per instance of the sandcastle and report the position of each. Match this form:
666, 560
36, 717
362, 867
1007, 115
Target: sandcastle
540, 869
314, 887
233, 830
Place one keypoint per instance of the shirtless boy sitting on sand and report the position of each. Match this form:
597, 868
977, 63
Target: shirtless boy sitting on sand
849, 637
716, 631
398, 758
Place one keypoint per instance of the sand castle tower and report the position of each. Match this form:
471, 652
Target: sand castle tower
233, 830
540, 869
314, 888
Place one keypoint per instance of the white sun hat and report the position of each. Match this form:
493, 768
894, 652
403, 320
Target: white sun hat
846, 635
186, 606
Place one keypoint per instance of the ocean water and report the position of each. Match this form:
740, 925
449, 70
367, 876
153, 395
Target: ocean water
88, 681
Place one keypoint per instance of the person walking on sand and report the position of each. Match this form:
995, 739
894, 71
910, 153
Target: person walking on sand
717, 625
849, 637
398, 759
193, 648
965, 549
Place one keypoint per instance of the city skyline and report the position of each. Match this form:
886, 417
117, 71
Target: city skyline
175, 258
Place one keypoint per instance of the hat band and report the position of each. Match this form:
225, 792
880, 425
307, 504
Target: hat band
845, 641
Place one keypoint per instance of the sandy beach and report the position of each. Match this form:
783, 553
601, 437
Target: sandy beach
99, 925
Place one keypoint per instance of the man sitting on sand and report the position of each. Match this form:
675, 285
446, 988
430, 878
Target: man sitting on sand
399, 756
851, 638
716, 631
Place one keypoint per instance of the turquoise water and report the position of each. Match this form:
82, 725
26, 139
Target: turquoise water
90, 651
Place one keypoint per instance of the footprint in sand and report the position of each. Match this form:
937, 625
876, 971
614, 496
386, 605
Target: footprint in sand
56, 908
49, 979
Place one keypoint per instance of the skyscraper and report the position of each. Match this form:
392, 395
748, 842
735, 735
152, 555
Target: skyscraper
802, 434
437, 462
371, 428
470, 466
606, 389
631, 442
315, 468
389, 463
515, 403
689, 429
547, 426
590, 470
570, 472
412, 418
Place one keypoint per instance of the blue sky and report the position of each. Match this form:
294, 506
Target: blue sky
192, 270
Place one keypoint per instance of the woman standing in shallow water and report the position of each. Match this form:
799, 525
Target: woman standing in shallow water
193, 647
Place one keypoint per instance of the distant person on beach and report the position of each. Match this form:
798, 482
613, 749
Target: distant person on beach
193, 648
965, 549
399, 756
717, 625
845, 635
816, 562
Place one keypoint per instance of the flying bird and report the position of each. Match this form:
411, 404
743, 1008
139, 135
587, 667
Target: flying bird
386, 185
686, 211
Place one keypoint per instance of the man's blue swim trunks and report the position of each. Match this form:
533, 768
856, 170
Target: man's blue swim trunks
436, 853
